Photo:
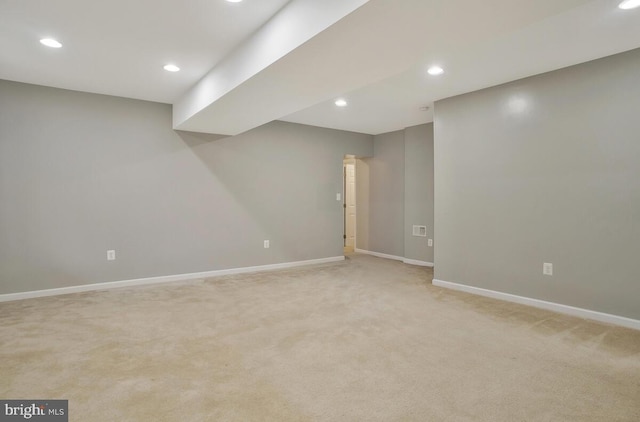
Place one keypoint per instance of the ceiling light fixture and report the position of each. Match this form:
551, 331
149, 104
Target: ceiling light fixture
341, 102
629, 4
171, 68
50, 42
234, 1
435, 70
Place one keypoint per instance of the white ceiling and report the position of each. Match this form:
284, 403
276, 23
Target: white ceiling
374, 53
590, 30
119, 47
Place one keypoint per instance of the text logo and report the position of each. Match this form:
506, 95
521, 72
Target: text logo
34, 410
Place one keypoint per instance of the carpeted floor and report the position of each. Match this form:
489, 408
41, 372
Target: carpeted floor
366, 339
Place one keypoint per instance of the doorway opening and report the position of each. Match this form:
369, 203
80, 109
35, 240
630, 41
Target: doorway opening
349, 203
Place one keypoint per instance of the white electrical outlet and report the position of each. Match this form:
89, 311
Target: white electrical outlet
266, 244
111, 255
430, 242
547, 268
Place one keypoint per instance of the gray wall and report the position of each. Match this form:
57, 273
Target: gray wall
362, 204
418, 190
545, 169
386, 195
394, 192
82, 173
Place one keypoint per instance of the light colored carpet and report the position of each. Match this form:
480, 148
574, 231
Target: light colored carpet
367, 339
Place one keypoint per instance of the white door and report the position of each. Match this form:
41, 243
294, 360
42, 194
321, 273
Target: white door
350, 205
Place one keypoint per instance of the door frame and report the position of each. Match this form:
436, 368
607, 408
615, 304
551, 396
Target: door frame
349, 160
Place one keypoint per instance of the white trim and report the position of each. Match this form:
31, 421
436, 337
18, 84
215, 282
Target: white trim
416, 262
344, 198
380, 255
397, 258
161, 279
550, 306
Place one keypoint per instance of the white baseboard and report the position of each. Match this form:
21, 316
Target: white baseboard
380, 255
416, 262
161, 279
550, 306
397, 258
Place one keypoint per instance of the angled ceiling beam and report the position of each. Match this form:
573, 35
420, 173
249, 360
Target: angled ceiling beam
313, 51
292, 26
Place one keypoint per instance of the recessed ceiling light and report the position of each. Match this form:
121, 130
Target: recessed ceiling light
50, 42
341, 102
171, 68
234, 1
629, 4
435, 70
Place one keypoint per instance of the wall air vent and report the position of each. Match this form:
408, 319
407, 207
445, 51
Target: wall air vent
420, 231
